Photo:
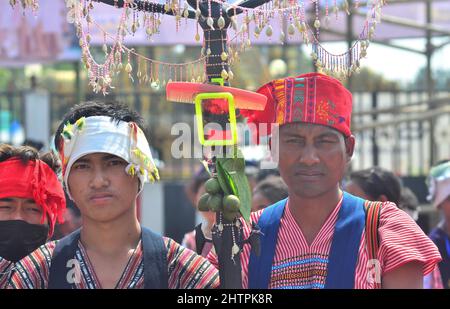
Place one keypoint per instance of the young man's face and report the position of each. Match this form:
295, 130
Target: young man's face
312, 158
101, 188
15, 208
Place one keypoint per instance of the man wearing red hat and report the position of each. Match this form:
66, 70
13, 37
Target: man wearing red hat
31, 201
321, 236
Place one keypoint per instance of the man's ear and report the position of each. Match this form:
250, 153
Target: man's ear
350, 146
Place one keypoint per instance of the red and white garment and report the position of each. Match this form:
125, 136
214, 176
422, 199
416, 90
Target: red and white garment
299, 265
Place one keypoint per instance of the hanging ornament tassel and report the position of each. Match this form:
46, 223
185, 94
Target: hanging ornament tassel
210, 22
221, 22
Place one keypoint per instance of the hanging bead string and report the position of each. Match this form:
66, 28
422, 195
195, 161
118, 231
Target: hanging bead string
339, 65
169, 70
292, 10
32, 4
236, 235
277, 6
261, 16
230, 57
100, 74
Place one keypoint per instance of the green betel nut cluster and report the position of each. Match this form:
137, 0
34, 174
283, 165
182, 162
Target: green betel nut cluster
215, 200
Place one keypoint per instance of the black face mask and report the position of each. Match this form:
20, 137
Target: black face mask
19, 238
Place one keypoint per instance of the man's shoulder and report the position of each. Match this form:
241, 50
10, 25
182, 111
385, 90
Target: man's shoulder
174, 247
32, 270
168, 242
5, 266
3, 262
256, 215
390, 211
42, 254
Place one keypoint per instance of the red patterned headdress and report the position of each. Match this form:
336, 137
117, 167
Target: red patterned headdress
311, 98
34, 180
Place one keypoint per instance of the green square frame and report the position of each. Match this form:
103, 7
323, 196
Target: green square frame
199, 118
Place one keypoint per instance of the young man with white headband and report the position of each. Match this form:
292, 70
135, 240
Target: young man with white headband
106, 161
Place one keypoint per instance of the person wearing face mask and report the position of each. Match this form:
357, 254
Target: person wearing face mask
31, 201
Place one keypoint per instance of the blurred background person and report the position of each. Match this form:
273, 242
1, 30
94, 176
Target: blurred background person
378, 184
269, 191
439, 189
375, 184
264, 173
409, 203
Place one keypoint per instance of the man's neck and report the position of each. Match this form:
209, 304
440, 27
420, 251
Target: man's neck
110, 238
311, 213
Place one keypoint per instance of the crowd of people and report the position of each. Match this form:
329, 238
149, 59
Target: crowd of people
321, 227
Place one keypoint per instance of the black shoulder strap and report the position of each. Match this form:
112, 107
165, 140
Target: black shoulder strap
64, 251
155, 260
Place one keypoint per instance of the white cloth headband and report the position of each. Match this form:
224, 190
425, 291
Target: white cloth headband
106, 135
439, 183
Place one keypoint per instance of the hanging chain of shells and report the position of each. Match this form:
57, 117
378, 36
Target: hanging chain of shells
291, 16
253, 21
119, 58
33, 4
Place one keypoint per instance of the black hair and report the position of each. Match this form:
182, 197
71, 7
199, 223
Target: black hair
265, 173
27, 153
408, 200
115, 110
377, 181
33, 143
273, 188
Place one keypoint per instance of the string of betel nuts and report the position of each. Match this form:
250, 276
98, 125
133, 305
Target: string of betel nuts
216, 200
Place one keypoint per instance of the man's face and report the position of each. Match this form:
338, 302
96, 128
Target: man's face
25, 209
312, 158
101, 188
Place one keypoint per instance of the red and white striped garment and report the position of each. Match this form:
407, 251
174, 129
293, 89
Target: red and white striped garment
5, 269
433, 280
186, 269
298, 265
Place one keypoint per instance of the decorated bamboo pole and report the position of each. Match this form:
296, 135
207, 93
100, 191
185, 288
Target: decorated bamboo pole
232, 199
225, 235
227, 232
